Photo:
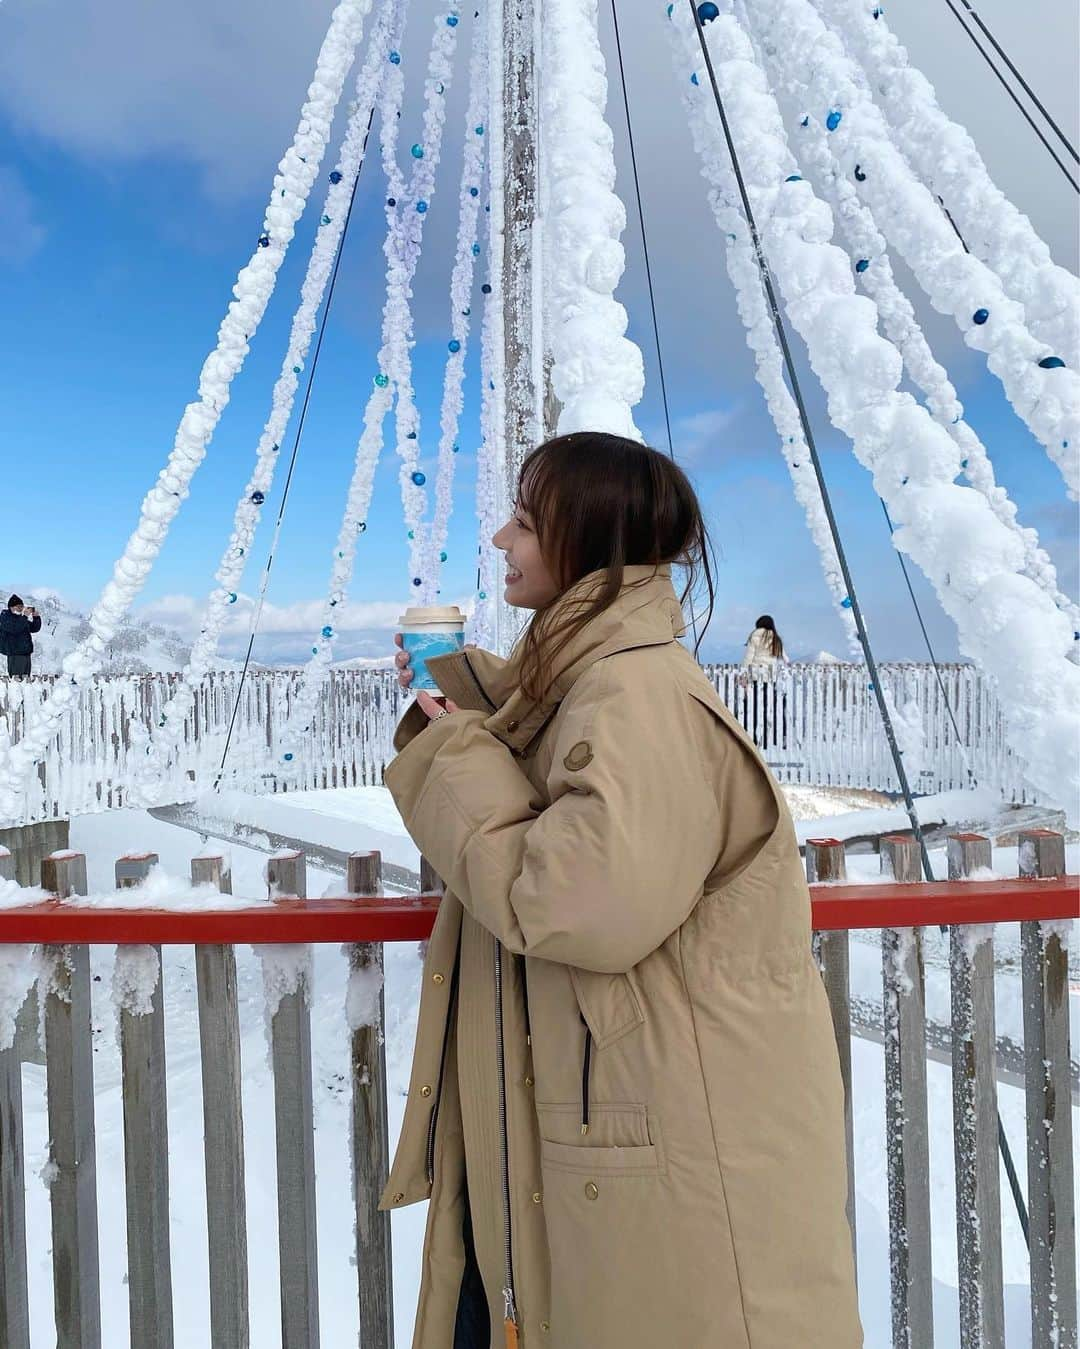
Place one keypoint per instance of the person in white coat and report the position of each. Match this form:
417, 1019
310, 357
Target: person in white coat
761, 715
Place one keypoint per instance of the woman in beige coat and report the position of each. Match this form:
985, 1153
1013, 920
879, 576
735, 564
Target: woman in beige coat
625, 1106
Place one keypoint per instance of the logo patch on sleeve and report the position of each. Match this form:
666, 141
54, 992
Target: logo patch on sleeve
580, 756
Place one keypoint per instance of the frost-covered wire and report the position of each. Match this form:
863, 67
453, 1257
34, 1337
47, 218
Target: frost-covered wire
804, 56
402, 248
489, 466
470, 196
944, 155
874, 271
292, 183
598, 374
742, 267
342, 179
1005, 622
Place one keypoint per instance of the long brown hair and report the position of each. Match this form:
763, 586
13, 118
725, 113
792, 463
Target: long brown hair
766, 624
600, 503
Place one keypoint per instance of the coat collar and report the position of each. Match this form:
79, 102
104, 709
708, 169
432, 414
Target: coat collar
646, 612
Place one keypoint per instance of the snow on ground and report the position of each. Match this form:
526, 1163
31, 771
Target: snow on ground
364, 818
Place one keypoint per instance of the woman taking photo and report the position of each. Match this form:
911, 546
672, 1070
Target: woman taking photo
625, 1103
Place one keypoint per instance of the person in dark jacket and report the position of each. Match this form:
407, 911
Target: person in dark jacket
17, 623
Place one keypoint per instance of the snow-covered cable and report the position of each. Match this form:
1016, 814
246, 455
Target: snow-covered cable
489, 467
1005, 622
402, 249
249, 508
598, 374
432, 554
874, 271
944, 155
742, 267
804, 56
292, 183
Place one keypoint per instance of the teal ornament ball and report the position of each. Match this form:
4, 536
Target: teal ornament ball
328, 632
419, 478
417, 152
453, 345
382, 380
833, 119
1052, 363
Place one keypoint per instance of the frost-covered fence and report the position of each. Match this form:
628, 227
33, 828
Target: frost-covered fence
817, 724
283, 925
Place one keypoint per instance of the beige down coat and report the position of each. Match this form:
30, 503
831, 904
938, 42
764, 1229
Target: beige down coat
622, 1032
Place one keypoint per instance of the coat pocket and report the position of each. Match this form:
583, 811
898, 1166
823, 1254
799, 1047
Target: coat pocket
608, 1003
622, 1139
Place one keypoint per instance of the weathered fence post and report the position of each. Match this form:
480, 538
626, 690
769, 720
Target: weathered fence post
825, 860
1051, 1208
975, 1117
370, 1127
7, 864
69, 1061
223, 1126
14, 1303
290, 1035
146, 1130
907, 1131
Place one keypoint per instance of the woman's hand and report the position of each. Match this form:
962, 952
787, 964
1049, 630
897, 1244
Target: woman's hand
428, 704
401, 661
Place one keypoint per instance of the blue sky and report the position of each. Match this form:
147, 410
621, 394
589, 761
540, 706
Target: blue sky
138, 146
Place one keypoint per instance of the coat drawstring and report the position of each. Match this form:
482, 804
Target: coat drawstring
585, 1067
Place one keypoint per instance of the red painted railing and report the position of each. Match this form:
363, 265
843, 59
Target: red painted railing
834, 907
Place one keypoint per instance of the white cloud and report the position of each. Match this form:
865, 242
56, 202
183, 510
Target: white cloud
20, 233
302, 618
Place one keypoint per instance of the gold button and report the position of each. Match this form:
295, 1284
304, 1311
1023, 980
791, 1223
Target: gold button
512, 726
545, 1325
425, 1091
438, 978
537, 1197
591, 1192
398, 1197
528, 1081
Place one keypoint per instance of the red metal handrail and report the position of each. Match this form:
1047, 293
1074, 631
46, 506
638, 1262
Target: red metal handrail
371, 919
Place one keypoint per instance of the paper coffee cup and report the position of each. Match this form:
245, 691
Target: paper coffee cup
431, 630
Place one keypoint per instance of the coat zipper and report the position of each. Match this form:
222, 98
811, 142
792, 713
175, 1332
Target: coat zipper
510, 1321
586, 1065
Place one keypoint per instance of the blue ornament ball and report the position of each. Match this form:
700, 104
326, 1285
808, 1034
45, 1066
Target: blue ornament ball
391, 201
361, 528
419, 478
440, 88
417, 152
382, 380
453, 345
833, 119
694, 79
476, 250
466, 311
707, 12
417, 581
296, 369
411, 534
232, 596
326, 220
845, 603
474, 191
264, 241
862, 264
980, 316
805, 121
328, 631
442, 556
421, 207
479, 129
287, 758
860, 177
451, 21
411, 435
258, 498
485, 289
670, 8
395, 58
1052, 363
335, 176
483, 594
455, 447
793, 178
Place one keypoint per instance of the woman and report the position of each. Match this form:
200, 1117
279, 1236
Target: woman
625, 1104
763, 647
764, 652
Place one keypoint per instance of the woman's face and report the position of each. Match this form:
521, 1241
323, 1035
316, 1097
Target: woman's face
529, 584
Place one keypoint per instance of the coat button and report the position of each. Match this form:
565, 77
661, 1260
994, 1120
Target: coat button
425, 1091
512, 726
545, 1325
398, 1197
538, 1197
528, 1081
438, 978
591, 1192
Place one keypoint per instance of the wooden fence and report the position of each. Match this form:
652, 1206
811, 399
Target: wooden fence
65, 931
817, 724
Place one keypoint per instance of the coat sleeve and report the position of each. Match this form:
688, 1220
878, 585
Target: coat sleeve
35, 623
615, 864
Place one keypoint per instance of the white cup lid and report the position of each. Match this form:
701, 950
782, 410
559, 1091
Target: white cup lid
420, 616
